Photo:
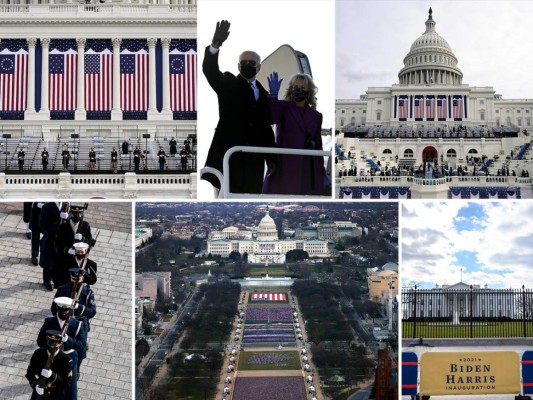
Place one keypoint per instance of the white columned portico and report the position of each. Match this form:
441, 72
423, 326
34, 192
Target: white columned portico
30, 99
80, 108
166, 78
44, 112
152, 107
116, 113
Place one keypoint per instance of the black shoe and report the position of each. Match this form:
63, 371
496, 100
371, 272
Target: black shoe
28, 235
34, 261
48, 286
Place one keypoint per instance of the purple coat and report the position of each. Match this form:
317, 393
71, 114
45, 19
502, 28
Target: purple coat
297, 128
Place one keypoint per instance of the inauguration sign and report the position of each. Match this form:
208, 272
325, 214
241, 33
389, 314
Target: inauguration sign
464, 373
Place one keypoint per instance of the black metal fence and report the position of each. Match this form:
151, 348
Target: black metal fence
467, 312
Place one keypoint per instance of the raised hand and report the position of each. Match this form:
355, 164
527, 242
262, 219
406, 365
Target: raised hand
221, 33
274, 84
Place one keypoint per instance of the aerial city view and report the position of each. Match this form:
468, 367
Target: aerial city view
277, 300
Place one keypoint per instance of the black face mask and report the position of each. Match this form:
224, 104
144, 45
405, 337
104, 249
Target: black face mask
80, 256
75, 218
62, 314
248, 72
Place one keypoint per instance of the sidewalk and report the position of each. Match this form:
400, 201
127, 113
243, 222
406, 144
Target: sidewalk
106, 373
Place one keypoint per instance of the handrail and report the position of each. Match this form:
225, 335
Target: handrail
225, 188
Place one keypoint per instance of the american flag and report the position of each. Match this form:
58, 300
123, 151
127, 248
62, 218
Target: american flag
98, 72
13, 75
441, 108
134, 75
402, 108
419, 108
269, 297
458, 108
62, 73
430, 108
182, 63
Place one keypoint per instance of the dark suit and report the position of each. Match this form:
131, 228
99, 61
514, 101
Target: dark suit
49, 223
243, 121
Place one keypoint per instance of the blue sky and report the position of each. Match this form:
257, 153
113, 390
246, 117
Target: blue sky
485, 243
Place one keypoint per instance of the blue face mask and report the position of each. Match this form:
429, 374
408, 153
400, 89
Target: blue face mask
299, 94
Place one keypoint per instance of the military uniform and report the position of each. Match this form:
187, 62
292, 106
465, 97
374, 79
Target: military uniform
49, 223
59, 385
86, 308
136, 158
162, 159
44, 159
62, 275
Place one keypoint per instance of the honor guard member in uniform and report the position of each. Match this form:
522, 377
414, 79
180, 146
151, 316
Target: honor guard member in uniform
58, 379
85, 308
26, 217
50, 219
162, 158
173, 146
114, 160
74, 230
184, 159
35, 231
21, 156
75, 338
136, 158
62, 275
65, 155
44, 159
92, 159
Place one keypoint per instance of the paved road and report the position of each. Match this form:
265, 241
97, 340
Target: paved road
362, 394
106, 373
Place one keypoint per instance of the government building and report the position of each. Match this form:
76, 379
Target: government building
98, 76
263, 245
432, 136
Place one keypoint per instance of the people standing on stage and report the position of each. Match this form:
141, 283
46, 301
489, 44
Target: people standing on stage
44, 159
162, 158
114, 160
125, 147
136, 159
21, 155
92, 159
173, 146
65, 155
184, 159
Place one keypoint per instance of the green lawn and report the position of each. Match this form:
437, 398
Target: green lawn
192, 388
281, 360
428, 330
273, 270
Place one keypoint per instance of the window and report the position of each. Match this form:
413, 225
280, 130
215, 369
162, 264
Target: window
528, 121
352, 121
507, 111
472, 151
482, 115
408, 153
518, 111
451, 153
497, 111
353, 111
342, 121
342, 111
378, 115
527, 111
379, 102
519, 121
364, 111
387, 151
482, 102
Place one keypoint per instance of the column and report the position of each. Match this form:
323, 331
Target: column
45, 43
80, 107
30, 100
116, 113
152, 108
166, 75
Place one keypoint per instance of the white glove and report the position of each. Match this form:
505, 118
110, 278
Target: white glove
71, 251
39, 390
64, 338
78, 236
63, 215
47, 373
40, 205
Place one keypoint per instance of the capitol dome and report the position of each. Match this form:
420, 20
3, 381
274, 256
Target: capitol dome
267, 229
430, 60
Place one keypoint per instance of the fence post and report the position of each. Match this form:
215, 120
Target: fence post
414, 308
524, 310
471, 307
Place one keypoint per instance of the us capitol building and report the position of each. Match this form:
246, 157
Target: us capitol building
265, 247
77, 75
431, 136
